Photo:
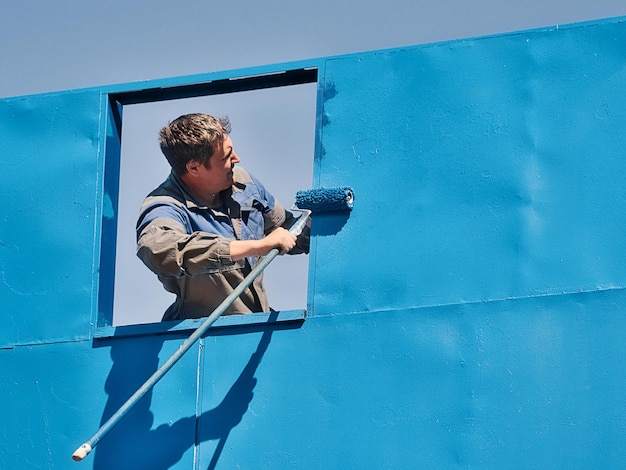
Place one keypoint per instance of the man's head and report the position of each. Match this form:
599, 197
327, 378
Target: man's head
192, 137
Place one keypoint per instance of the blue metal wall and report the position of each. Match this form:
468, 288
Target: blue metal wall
467, 313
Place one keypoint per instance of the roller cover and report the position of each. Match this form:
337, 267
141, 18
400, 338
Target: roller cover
325, 199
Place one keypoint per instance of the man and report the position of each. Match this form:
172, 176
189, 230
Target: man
203, 229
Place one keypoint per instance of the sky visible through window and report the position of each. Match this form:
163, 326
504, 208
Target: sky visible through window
273, 132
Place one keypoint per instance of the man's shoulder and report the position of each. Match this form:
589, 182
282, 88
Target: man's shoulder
167, 193
246, 181
242, 176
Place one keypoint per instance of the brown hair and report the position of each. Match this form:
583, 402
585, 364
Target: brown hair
192, 137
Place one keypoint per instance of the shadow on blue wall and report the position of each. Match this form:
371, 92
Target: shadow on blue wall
218, 422
133, 444
329, 224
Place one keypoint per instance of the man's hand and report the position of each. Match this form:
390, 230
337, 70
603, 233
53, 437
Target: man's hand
282, 239
279, 238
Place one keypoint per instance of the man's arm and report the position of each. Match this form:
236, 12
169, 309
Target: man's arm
274, 216
279, 238
165, 247
168, 250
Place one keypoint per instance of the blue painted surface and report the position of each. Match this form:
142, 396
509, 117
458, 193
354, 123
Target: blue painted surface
468, 312
49, 181
492, 165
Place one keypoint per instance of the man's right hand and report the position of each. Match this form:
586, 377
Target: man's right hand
280, 238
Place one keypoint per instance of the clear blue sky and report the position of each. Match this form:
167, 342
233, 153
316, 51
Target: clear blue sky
51, 46
48, 46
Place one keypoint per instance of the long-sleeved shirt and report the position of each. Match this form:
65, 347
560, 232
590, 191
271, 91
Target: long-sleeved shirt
187, 244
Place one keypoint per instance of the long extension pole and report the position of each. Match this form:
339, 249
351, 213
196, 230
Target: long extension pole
84, 450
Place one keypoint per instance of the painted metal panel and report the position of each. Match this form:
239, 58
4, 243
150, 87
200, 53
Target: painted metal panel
470, 385
159, 432
55, 395
483, 169
518, 383
49, 182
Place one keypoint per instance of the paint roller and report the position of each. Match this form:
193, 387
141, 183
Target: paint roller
309, 201
325, 200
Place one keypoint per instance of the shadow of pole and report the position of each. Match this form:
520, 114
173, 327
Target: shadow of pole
220, 421
133, 444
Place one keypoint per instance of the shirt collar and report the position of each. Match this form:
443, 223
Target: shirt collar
192, 203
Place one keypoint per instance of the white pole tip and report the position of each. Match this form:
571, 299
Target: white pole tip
81, 452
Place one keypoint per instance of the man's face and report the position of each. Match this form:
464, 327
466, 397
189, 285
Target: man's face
219, 174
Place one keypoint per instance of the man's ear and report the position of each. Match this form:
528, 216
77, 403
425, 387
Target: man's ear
192, 167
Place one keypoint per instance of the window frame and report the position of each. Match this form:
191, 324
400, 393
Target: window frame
115, 102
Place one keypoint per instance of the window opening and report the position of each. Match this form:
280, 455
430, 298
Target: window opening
273, 130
